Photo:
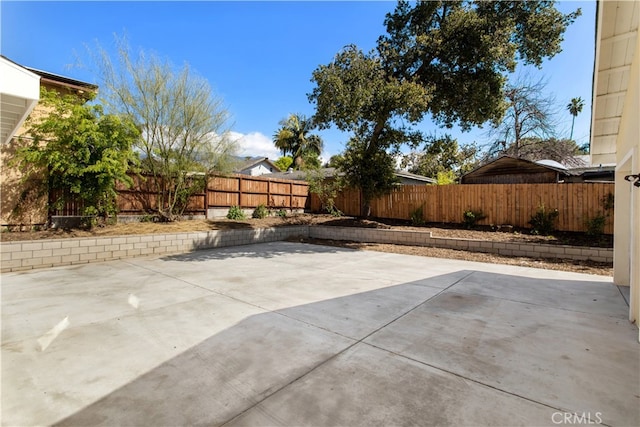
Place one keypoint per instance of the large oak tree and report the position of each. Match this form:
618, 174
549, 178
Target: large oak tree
446, 59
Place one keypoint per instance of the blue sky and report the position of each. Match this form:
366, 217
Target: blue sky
258, 56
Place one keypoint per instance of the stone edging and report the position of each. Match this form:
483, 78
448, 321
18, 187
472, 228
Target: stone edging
26, 255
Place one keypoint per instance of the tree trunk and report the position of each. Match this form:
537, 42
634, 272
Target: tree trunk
573, 121
365, 209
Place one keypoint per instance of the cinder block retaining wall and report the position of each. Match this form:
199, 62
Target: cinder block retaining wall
31, 254
424, 238
26, 255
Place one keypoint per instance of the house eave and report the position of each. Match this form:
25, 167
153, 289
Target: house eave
19, 94
616, 36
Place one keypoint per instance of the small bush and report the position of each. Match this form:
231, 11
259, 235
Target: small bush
595, 225
88, 222
417, 216
332, 210
235, 212
543, 221
282, 213
148, 218
260, 212
470, 218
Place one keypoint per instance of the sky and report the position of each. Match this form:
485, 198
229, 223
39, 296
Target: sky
259, 56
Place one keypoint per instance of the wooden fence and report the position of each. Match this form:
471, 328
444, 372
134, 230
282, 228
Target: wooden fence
511, 204
221, 192
251, 191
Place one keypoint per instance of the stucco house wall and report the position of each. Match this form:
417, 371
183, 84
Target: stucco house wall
615, 132
627, 213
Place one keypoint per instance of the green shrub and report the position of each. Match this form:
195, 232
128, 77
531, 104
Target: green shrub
543, 221
326, 189
595, 225
88, 222
282, 213
235, 212
417, 216
260, 212
148, 218
470, 218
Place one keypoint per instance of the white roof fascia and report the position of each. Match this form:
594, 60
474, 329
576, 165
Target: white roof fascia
19, 94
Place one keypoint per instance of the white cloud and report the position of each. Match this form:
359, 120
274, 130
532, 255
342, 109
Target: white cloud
255, 144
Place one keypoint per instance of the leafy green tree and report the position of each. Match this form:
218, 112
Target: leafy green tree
446, 177
442, 155
293, 138
182, 122
574, 107
283, 163
353, 93
82, 152
334, 161
442, 58
372, 171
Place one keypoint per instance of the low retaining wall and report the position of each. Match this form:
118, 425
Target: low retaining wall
26, 255
424, 238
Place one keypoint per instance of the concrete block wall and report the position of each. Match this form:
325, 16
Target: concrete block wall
26, 255
424, 238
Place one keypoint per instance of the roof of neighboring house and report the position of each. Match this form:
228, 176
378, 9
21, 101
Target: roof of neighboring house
331, 172
505, 165
79, 85
249, 162
595, 172
413, 176
301, 175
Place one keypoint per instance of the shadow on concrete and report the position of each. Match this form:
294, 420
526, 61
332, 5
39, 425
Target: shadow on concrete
253, 250
324, 363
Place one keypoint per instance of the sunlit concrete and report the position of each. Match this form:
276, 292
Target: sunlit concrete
293, 334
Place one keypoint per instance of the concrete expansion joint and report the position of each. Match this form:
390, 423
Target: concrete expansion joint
344, 350
465, 378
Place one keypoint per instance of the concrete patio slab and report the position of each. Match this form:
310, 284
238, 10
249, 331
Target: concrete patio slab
293, 334
564, 359
372, 387
576, 295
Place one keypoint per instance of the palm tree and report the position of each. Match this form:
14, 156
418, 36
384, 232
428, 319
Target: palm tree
574, 107
293, 138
